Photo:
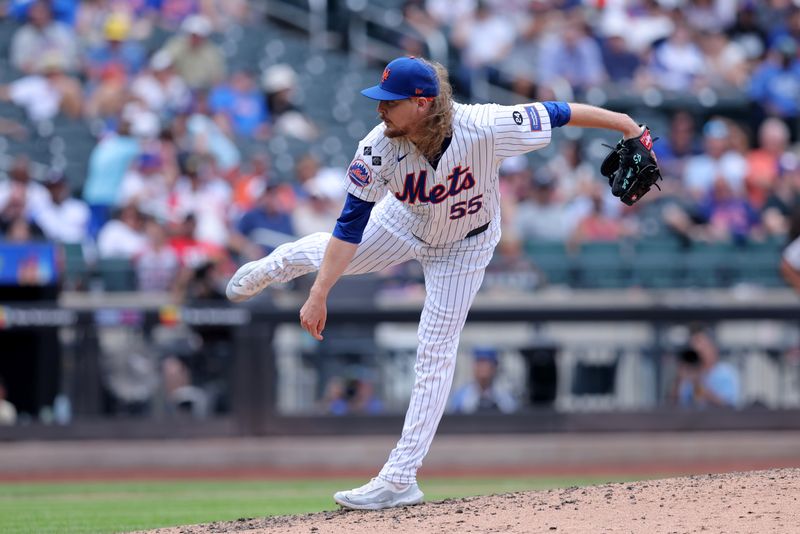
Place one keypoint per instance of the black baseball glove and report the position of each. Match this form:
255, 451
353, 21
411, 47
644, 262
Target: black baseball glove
631, 168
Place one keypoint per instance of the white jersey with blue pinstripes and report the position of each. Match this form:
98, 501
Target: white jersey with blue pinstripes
441, 205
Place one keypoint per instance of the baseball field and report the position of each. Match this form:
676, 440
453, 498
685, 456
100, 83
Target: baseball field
744, 502
632, 483
124, 506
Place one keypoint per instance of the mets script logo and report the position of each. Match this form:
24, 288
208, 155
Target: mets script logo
386, 72
359, 173
415, 188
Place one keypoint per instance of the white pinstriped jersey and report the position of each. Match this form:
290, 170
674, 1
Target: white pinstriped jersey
442, 205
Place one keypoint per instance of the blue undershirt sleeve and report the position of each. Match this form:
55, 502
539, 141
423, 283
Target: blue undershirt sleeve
353, 219
559, 112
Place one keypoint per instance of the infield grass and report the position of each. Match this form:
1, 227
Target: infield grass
104, 507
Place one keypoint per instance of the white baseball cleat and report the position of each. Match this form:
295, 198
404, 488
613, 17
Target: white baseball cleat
378, 494
248, 281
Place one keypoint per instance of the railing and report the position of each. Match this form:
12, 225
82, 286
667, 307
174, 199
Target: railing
259, 374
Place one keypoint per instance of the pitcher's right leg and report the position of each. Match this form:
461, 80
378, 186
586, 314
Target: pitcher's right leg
285, 263
379, 248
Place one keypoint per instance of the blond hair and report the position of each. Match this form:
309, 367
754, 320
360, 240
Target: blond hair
439, 122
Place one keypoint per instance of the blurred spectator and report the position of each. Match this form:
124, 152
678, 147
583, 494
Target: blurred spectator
621, 64
42, 35
108, 163
677, 63
679, 145
267, 225
192, 252
747, 33
544, 216
718, 161
351, 396
790, 258
576, 177
26, 193
148, 184
521, 67
703, 380
710, 16
157, 264
12, 128
182, 397
63, 10
64, 219
205, 137
334, 398
763, 163
15, 223
483, 394
123, 236
47, 91
109, 96
448, 12
643, 26
416, 29
279, 83
727, 214
572, 55
248, 184
724, 215
203, 282
118, 49
725, 62
597, 225
484, 39
784, 198
197, 60
8, 413
172, 13
776, 83
160, 87
201, 192
317, 212
242, 104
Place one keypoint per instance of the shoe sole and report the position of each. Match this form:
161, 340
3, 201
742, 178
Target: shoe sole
377, 506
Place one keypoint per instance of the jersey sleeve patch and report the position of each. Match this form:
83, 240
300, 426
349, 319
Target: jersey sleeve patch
359, 173
533, 116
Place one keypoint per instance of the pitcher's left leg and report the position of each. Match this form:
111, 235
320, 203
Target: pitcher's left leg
451, 284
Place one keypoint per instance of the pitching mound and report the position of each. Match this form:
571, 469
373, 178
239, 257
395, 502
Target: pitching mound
757, 501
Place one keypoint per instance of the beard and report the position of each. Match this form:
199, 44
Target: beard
393, 132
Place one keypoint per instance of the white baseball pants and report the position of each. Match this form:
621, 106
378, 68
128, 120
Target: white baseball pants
453, 275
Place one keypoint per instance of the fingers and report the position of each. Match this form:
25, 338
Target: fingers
313, 327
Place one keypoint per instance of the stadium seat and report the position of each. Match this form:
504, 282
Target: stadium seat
602, 265
117, 274
75, 268
552, 259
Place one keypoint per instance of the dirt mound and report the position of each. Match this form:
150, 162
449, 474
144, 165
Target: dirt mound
756, 501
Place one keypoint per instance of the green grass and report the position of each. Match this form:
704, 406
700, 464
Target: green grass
101, 507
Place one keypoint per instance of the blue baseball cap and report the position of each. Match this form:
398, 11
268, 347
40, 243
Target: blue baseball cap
405, 77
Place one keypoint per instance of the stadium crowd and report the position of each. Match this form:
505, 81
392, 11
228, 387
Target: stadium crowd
169, 188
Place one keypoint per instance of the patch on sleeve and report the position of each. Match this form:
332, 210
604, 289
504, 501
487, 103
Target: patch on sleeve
359, 173
367, 150
533, 116
376, 160
517, 117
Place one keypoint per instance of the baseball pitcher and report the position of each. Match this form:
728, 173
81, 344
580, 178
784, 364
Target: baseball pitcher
423, 185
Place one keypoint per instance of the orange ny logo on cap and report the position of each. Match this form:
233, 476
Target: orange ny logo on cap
418, 91
385, 74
